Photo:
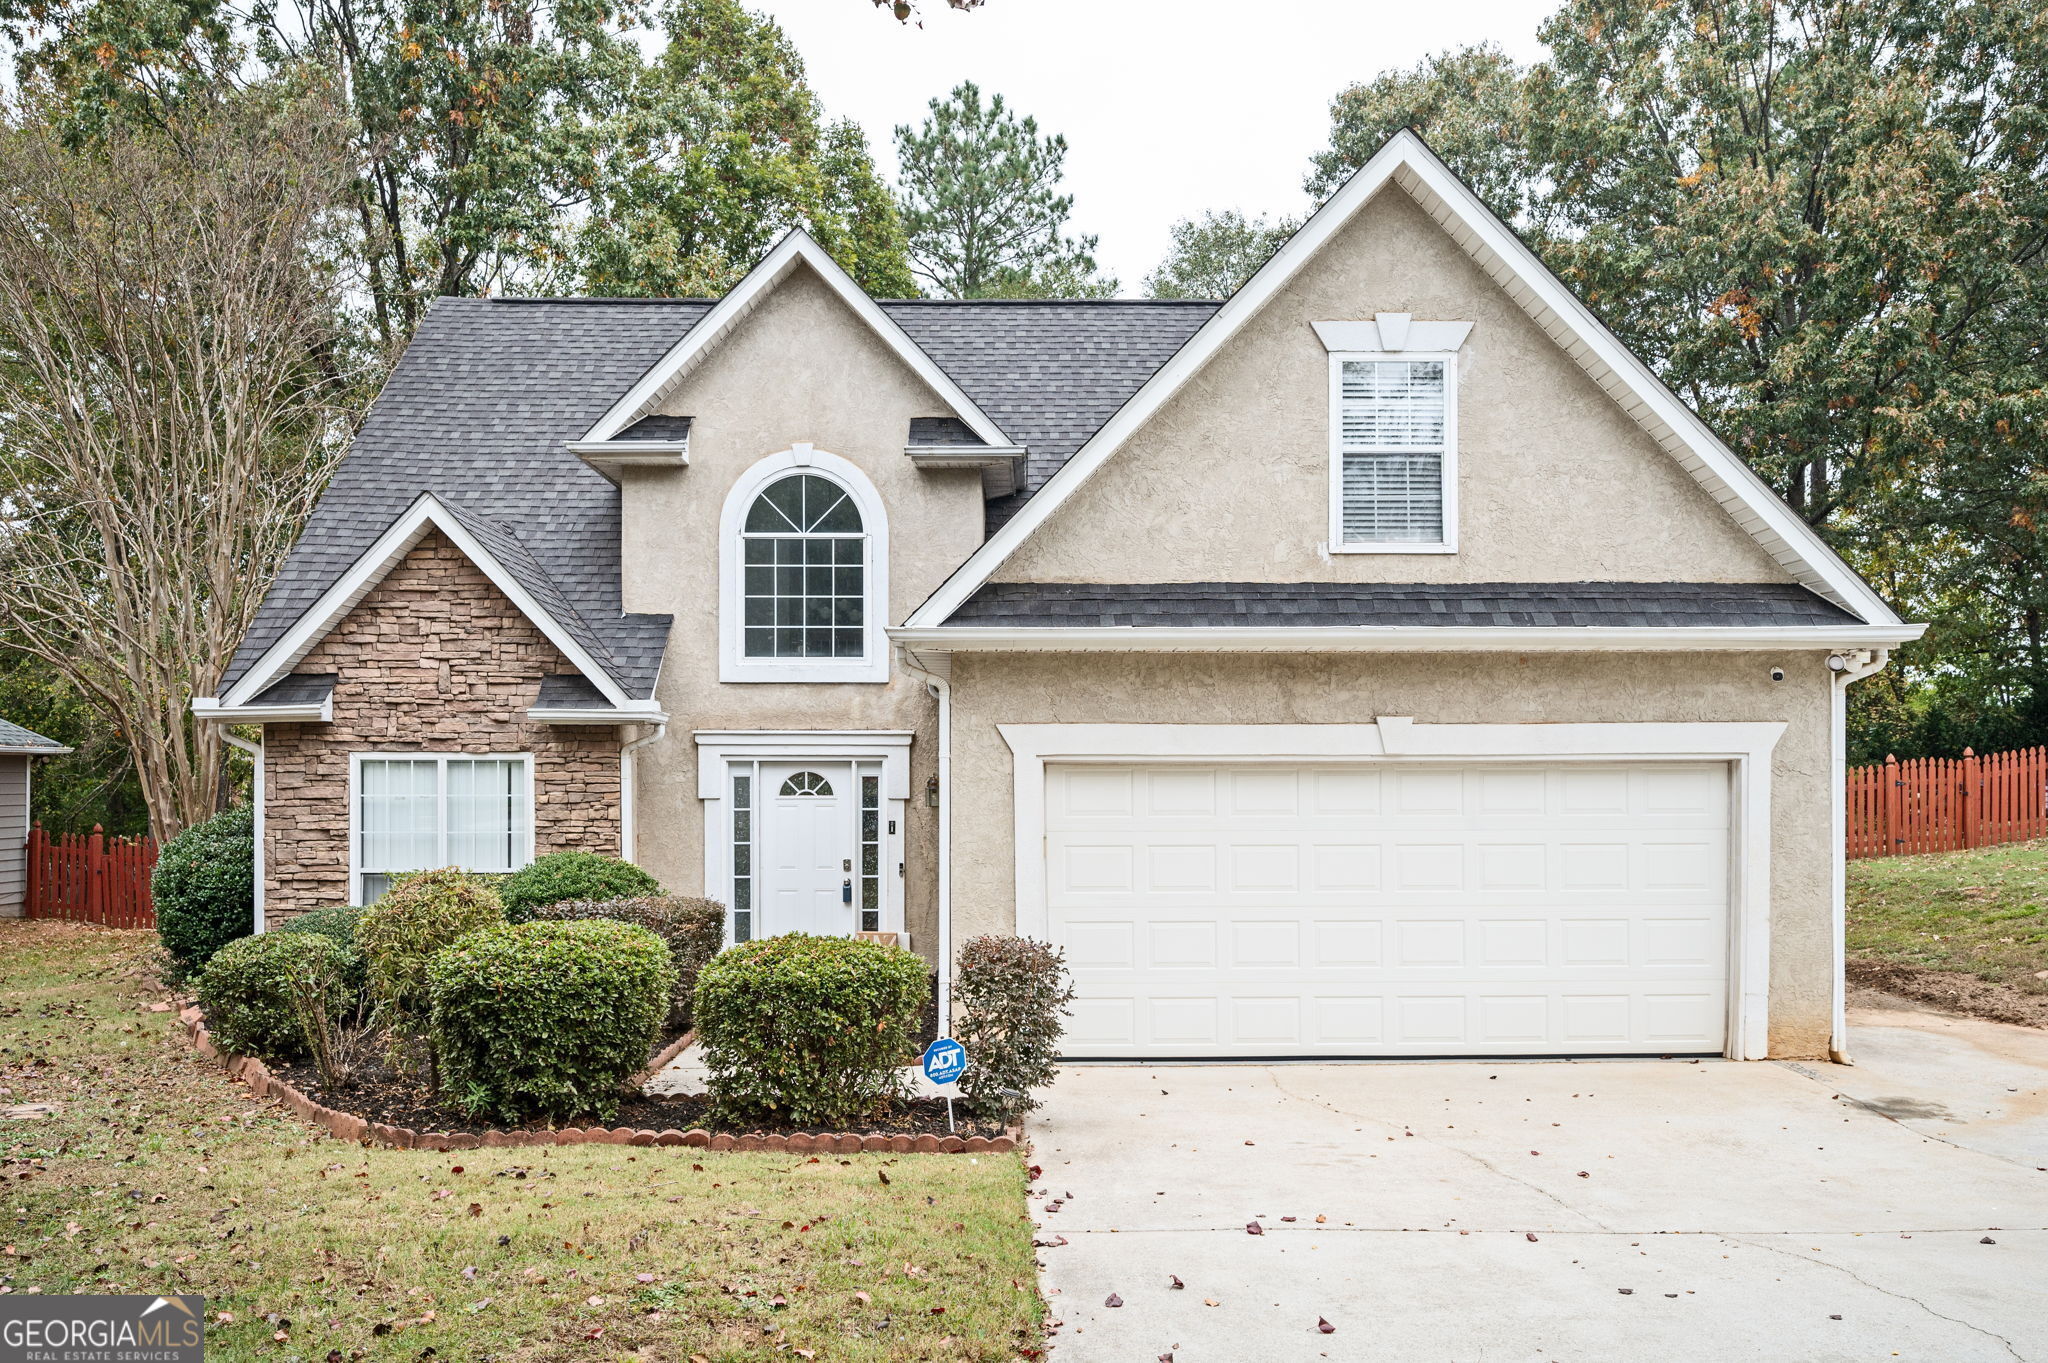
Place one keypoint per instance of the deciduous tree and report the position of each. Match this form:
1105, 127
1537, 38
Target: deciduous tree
1211, 256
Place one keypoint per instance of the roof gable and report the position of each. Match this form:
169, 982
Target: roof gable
795, 251
1407, 163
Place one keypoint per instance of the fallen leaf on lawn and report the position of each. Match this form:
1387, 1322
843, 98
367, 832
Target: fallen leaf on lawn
1254, 1228
594, 1332
938, 1310
883, 1174
224, 1317
1173, 1281
1112, 1300
863, 1298
476, 1209
594, 1301
643, 1277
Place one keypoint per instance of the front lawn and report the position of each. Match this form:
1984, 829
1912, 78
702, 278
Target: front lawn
158, 1174
1981, 913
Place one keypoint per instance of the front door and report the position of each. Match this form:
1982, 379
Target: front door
807, 848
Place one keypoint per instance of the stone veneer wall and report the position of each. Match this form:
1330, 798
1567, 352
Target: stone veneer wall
434, 659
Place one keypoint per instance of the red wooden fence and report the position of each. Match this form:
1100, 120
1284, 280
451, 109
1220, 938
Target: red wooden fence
91, 878
1941, 804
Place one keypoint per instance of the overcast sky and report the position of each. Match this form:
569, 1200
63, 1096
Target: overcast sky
1170, 106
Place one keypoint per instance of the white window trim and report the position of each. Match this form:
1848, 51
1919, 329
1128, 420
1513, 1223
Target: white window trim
1449, 543
724, 753
355, 790
733, 664
1745, 747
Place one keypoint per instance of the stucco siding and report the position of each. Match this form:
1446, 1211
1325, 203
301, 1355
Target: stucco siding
991, 690
14, 821
1230, 480
803, 367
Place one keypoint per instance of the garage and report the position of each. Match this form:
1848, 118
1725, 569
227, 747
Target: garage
1390, 908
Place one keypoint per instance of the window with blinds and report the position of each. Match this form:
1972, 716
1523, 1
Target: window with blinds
1392, 417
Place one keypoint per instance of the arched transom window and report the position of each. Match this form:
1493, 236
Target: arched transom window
807, 783
805, 560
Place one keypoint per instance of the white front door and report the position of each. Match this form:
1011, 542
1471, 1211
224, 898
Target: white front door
1330, 909
807, 848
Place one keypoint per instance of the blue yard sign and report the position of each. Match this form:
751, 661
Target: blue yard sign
945, 1060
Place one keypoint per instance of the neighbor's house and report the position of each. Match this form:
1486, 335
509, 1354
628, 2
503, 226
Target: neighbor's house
1379, 662
19, 748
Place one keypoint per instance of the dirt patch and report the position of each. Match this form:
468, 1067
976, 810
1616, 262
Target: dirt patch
1951, 990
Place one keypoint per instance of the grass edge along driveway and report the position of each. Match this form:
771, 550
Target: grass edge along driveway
1982, 912
158, 1174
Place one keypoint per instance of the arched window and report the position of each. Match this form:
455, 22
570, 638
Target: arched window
803, 570
807, 783
805, 557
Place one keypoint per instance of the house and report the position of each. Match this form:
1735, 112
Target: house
19, 748
1379, 662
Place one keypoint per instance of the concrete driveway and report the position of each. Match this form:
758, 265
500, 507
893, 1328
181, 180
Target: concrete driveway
1616, 1210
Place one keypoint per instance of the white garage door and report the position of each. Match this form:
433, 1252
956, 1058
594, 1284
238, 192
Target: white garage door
1236, 910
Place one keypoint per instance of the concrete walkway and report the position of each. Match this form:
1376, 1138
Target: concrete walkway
1615, 1210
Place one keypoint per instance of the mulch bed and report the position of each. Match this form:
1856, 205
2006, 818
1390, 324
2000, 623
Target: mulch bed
381, 1096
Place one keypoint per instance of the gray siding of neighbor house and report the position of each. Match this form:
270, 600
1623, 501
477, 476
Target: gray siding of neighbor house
13, 835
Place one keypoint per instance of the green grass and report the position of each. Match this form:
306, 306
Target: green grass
1982, 912
159, 1175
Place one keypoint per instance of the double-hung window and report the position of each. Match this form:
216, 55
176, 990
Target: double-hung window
418, 811
1394, 462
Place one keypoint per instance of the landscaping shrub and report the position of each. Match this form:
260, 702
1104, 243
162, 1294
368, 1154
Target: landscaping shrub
808, 1031
247, 992
1011, 993
562, 876
694, 929
338, 926
420, 914
205, 888
547, 1019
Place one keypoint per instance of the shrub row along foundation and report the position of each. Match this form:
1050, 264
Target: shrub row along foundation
348, 1127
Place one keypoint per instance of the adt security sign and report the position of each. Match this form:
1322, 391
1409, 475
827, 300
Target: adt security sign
945, 1060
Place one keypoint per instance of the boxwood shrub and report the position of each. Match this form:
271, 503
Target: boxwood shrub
808, 1031
547, 1019
247, 997
204, 887
420, 914
338, 925
562, 876
693, 928
1011, 993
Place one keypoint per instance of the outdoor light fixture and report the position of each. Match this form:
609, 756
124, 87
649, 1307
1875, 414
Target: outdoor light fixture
1837, 663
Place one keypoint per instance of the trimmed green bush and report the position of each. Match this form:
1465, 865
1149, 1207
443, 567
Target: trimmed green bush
547, 1019
560, 877
420, 914
1011, 993
338, 926
205, 888
246, 992
808, 1030
693, 928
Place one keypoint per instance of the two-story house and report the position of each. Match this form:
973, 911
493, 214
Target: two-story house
1379, 662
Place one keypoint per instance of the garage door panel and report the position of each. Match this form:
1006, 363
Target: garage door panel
1478, 910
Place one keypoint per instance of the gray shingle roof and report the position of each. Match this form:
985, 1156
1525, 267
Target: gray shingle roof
15, 739
569, 691
657, 427
1214, 604
941, 430
478, 410
298, 688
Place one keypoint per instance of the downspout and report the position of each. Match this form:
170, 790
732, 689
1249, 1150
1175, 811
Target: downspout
942, 691
629, 773
1846, 669
255, 751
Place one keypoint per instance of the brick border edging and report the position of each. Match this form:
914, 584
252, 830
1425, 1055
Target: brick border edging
349, 1127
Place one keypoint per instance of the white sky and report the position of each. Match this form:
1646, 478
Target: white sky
1169, 106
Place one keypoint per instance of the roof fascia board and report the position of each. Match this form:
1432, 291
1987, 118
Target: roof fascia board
45, 750
1394, 638
796, 247
307, 712
594, 714
426, 513
1802, 548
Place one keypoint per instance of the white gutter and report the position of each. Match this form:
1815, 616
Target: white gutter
594, 714
934, 639
629, 777
255, 751
1854, 669
942, 691
295, 712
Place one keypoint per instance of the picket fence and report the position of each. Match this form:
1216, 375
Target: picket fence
1944, 804
90, 878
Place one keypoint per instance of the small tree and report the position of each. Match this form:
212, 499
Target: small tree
204, 888
1012, 993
